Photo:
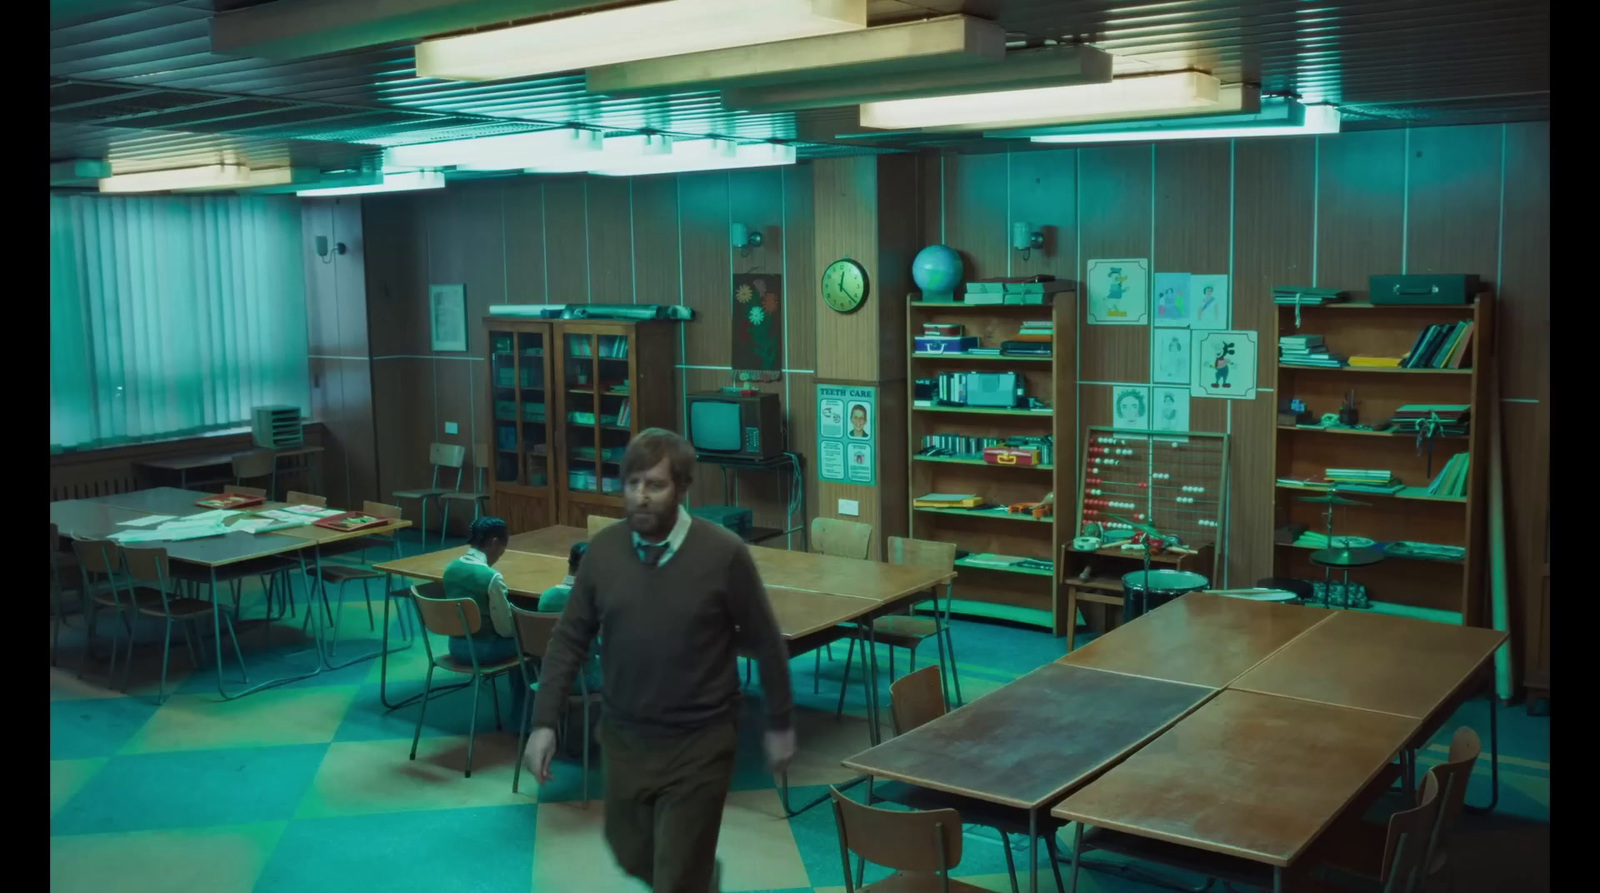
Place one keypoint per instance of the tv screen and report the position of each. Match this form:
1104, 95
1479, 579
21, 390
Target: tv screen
714, 426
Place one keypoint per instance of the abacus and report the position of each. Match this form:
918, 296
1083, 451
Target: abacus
1175, 482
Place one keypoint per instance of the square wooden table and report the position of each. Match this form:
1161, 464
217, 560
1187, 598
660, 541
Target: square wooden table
1035, 739
1200, 639
1253, 776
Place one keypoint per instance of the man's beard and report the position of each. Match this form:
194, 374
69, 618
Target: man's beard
654, 523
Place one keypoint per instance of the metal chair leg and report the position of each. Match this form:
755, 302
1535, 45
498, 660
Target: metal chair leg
1011, 861
522, 740
472, 731
166, 652
844, 685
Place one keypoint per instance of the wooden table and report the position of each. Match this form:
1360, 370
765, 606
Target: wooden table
1200, 639
1412, 668
1248, 775
526, 574
1029, 742
155, 501
186, 467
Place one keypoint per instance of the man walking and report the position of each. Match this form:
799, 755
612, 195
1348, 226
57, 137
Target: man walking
673, 599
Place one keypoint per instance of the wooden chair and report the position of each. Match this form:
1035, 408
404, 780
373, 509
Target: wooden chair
295, 497
443, 457
841, 539
597, 523
148, 570
1353, 846
1400, 855
254, 466
908, 631
455, 617
340, 574
62, 567
99, 565
921, 846
533, 631
476, 496
915, 700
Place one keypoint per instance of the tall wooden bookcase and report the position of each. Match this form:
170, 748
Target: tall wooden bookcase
1444, 590
565, 397
1050, 379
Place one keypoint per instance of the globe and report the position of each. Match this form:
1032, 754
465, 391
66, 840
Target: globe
937, 268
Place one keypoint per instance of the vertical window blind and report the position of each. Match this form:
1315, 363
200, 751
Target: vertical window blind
173, 315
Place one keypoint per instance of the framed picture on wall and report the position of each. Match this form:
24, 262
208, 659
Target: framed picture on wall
447, 308
1119, 292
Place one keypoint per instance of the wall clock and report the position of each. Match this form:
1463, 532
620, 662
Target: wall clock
845, 285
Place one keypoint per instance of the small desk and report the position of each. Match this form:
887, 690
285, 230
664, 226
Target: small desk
1247, 775
1033, 740
188, 469
1199, 639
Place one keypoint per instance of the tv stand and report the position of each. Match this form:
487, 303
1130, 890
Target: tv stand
797, 492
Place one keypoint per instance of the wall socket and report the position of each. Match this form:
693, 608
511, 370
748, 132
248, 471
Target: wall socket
850, 507
452, 428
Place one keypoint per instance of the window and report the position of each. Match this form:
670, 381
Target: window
173, 315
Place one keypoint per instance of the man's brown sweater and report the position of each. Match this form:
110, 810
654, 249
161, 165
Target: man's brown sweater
668, 634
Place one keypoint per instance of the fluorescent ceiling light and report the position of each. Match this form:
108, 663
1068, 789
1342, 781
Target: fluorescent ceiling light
631, 33
1311, 120
397, 182
78, 172
1185, 92
255, 179
215, 176
497, 153
616, 151
706, 155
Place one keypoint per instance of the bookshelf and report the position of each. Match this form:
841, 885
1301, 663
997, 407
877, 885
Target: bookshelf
1442, 589
1018, 593
565, 398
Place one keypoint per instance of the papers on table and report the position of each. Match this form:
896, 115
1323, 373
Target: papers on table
147, 521
311, 511
266, 525
169, 533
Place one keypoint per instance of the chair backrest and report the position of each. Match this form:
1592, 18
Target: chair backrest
1406, 844
840, 538
96, 556
446, 616
922, 553
1453, 775
533, 630
481, 456
916, 699
55, 557
255, 464
295, 497
380, 509
240, 490
915, 840
149, 566
447, 455
597, 523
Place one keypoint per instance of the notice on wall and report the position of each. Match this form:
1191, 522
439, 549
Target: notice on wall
846, 434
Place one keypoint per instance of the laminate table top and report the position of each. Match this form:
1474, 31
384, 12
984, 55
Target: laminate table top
1248, 775
156, 500
1200, 639
1033, 740
1397, 665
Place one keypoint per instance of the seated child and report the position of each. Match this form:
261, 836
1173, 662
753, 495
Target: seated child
554, 601
473, 576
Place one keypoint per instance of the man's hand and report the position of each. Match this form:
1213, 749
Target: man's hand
780, 750
541, 749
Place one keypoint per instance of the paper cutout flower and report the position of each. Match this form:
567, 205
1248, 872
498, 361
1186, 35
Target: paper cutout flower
770, 304
743, 294
756, 316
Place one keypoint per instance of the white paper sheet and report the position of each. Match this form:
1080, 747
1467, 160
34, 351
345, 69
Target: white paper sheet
147, 521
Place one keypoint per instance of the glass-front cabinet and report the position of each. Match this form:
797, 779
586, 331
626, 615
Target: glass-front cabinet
567, 396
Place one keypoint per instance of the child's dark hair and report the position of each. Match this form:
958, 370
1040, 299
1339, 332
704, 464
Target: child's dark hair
486, 530
575, 557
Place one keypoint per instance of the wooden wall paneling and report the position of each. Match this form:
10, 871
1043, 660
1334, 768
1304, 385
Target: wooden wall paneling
655, 241
609, 219
1273, 211
847, 343
899, 239
1361, 196
1453, 203
931, 168
523, 219
975, 205
707, 486
566, 236
342, 380
1114, 208
1043, 190
800, 281
1523, 346
707, 269
802, 413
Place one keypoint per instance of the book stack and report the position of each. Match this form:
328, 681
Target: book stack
1305, 296
1019, 290
1453, 478
961, 446
1363, 480
1433, 419
1040, 330
1306, 350
1442, 346
947, 501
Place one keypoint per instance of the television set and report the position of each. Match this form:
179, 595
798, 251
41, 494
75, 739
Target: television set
736, 425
